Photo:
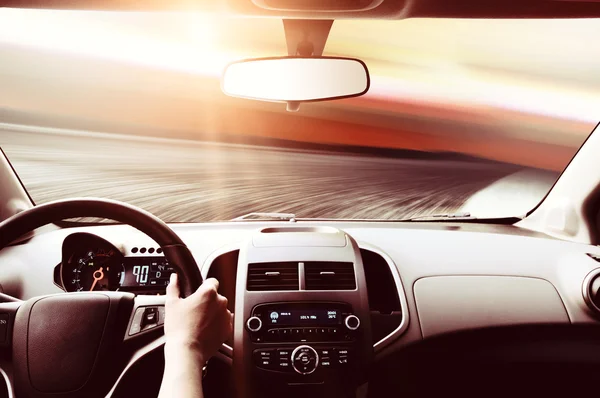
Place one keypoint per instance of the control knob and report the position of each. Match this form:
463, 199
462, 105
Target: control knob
305, 359
254, 324
352, 322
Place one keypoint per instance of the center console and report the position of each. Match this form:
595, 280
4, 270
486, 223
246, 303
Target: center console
302, 323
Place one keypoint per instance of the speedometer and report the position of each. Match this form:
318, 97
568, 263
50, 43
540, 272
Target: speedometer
90, 264
95, 270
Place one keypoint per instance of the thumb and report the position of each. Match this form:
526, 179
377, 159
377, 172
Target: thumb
173, 288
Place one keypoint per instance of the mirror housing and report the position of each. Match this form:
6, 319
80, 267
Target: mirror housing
296, 79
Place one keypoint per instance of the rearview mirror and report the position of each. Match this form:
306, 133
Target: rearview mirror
296, 79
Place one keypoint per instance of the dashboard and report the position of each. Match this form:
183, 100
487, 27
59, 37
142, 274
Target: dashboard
318, 305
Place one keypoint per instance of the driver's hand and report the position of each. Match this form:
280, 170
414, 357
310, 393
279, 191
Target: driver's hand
197, 324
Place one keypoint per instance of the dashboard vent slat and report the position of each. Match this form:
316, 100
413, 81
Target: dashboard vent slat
329, 275
272, 276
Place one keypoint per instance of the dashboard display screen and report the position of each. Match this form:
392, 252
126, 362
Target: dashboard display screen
304, 317
145, 273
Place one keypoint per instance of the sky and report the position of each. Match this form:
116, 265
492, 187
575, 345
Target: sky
532, 82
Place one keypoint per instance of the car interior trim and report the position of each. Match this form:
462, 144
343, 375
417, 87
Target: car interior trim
225, 349
9, 387
139, 354
389, 339
448, 303
562, 212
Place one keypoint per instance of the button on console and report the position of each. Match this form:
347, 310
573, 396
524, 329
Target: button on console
284, 365
342, 356
324, 352
264, 358
284, 353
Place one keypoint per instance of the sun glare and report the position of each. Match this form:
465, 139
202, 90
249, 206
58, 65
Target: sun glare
407, 60
97, 34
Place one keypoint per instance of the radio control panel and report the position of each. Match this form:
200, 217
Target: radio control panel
303, 359
302, 322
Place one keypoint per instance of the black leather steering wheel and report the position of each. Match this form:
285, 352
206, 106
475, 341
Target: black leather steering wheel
76, 344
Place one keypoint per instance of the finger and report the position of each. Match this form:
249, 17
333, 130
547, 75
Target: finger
173, 288
209, 288
228, 324
212, 282
221, 304
224, 300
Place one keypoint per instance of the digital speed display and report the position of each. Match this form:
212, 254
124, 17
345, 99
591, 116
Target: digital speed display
145, 273
304, 317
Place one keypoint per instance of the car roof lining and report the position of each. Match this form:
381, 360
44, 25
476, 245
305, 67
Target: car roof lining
388, 9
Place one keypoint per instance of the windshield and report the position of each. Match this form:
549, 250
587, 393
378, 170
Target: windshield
475, 116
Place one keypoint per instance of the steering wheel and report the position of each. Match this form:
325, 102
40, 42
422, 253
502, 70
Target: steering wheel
77, 344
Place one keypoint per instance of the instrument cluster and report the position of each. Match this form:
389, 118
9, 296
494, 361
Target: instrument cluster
91, 263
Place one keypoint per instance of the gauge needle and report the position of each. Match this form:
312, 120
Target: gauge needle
97, 276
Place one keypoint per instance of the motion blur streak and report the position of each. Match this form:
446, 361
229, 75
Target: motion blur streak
216, 182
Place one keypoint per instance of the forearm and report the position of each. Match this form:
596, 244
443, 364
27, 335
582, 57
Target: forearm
183, 374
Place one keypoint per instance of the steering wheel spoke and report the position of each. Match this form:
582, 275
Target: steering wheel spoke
8, 311
147, 316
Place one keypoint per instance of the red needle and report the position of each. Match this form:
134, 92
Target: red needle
97, 276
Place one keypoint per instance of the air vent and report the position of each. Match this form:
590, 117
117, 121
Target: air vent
329, 276
272, 276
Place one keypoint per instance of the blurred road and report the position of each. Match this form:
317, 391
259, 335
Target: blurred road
189, 181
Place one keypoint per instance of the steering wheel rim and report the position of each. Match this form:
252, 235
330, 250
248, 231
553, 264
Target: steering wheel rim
176, 252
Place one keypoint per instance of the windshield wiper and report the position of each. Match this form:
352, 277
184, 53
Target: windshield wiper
463, 217
443, 217
266, 217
